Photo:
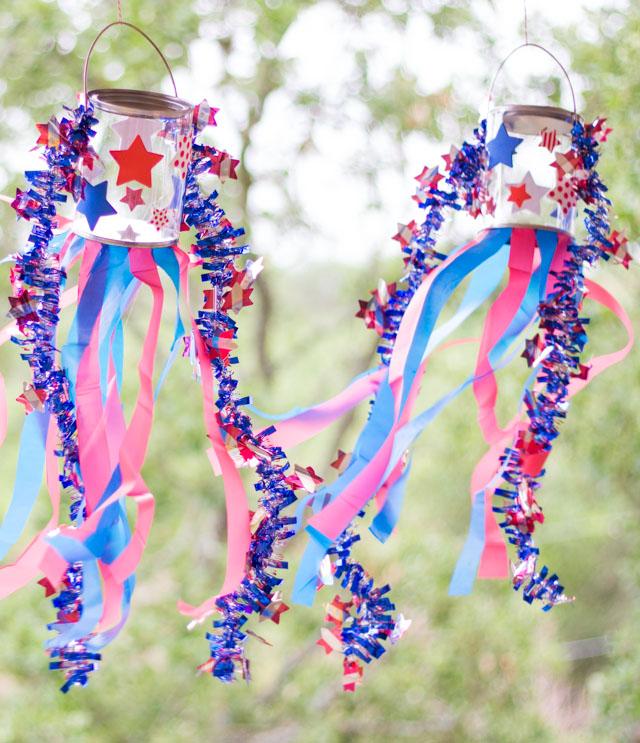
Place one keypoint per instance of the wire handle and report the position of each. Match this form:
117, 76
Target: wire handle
85, 69
549, 54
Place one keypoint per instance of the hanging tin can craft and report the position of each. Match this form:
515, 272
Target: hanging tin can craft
124, 158
531, 166
134, 188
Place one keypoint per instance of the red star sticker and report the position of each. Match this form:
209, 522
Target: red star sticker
136, 163
518, 195
133, 198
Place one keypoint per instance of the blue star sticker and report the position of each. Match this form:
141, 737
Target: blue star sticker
95, 204
501, 148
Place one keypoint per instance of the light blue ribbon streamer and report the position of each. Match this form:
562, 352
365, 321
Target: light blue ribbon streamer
31, 461
167, 261
467, 566
466, 569
522, 318
112, 533
107, 279
382, 415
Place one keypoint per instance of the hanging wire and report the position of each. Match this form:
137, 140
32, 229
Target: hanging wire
119, 10
526, 22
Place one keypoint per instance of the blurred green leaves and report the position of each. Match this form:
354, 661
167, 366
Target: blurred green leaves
479, 668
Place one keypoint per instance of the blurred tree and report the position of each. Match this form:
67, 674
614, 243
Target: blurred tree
610, 63
485, 668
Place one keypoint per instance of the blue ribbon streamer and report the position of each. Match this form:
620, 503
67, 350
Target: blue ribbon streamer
382, 417
466, 568
31, 461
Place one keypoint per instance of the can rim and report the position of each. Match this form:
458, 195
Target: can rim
512, 110
531, 226
89, 235
145, 104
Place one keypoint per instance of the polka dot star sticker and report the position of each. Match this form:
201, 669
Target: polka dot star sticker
136, 163
565, 195
94, 204
501, 148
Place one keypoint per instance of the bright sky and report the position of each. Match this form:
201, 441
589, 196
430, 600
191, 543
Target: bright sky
335, 200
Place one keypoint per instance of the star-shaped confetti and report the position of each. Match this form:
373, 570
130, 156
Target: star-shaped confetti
221, 345
133, 198
351, 674
32, 399
224, 166
204, 115
49, 133
341, 461
94, 204
372, 311
566, 163
599, 130
235, 298
135, 163
130, 128
23, 307
450, 157
406, 233
252, 270
49, 589
304, 478
430, 176
275, 609
502, 148
533, 347
618, 249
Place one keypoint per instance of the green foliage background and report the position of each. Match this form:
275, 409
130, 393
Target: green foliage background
480, 668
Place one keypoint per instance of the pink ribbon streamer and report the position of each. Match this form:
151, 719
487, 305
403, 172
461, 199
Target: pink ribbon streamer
494, 561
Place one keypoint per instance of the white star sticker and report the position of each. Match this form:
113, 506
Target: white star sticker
128, 129
128, 234
535, 192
